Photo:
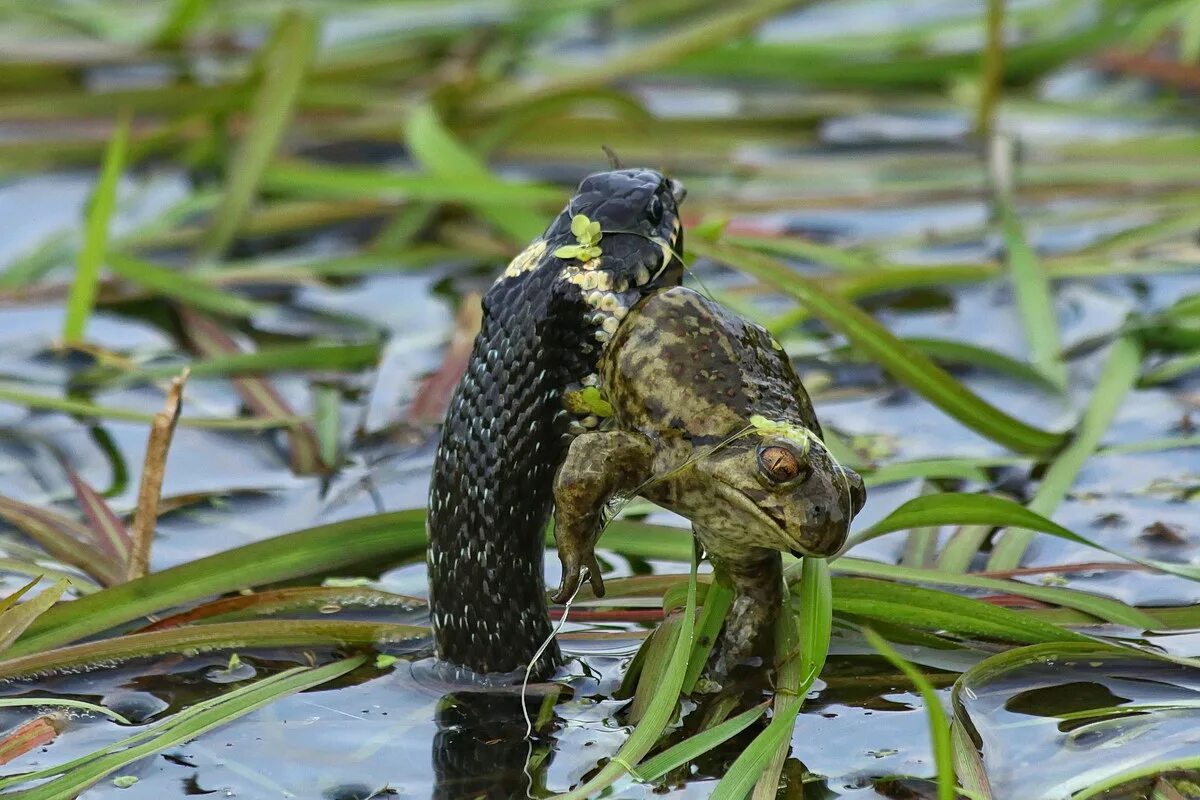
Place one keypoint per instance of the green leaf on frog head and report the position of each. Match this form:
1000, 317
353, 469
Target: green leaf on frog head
784, 430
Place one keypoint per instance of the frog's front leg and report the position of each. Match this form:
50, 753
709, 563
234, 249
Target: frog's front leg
599, 466
756, 576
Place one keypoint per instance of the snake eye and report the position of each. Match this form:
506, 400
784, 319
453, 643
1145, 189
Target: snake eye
779, 464
654, 210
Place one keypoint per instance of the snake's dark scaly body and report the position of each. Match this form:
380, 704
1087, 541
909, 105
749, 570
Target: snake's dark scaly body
545, 323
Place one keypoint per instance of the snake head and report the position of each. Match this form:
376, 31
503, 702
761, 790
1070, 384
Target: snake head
573, 566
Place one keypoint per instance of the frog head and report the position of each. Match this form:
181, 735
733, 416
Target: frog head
782, 489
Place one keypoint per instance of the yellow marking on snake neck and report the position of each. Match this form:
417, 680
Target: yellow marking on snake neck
526, 260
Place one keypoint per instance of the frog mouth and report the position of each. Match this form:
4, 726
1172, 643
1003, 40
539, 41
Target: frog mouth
736, 498
768, 521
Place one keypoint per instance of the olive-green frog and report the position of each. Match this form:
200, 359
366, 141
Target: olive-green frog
707, 418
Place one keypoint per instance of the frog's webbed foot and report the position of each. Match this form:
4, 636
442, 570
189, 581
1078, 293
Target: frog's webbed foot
574, 564
756, 577
599, 466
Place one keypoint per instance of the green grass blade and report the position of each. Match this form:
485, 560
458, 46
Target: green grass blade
1172, 369
695, 746
905, 363
108, 530
95, 234
59, 702
796, 676
259, 394
207, 638
688, 39
316, 180
717, 600
83, 408
185, 726
801, 654
968, 764
436, 149
62, 537
939, 727
14, 621
953, 508
959, 551
283, 358
285, 63
327, 422
1103, 608
1116, 380
1031, 286
930, 609
658, 713
325, 548
182, 287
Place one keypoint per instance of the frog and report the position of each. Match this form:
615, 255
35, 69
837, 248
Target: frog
704, 415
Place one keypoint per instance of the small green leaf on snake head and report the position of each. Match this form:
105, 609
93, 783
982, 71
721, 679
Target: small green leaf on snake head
581, 252
124, 781
383, 661
579, 225
585, 231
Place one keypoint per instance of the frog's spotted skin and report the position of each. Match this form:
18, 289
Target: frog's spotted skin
697, 393
546, 322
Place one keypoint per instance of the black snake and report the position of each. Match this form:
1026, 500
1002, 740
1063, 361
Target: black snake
545, 323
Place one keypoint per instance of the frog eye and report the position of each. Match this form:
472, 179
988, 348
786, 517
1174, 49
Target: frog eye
780, 464
654, 210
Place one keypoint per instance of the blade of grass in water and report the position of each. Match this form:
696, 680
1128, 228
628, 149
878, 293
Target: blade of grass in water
1116, 380
326, 548
1031, 286
939, 727
15, 620
692, 37
905, 363
107, 528
30, 400
62, 537
433, 146
286, 60
1171, 369
695, 746
801, 655
95, 234
1100, 607
799, 671
282, 358
270, 633
658, 713
183, 727
992, 70
953, 508
929, 609
182, 287
259, 394
717, 600
154, 466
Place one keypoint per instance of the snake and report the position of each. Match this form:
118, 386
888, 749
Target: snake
546, 321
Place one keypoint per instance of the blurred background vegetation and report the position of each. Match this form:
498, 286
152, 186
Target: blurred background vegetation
973, 226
